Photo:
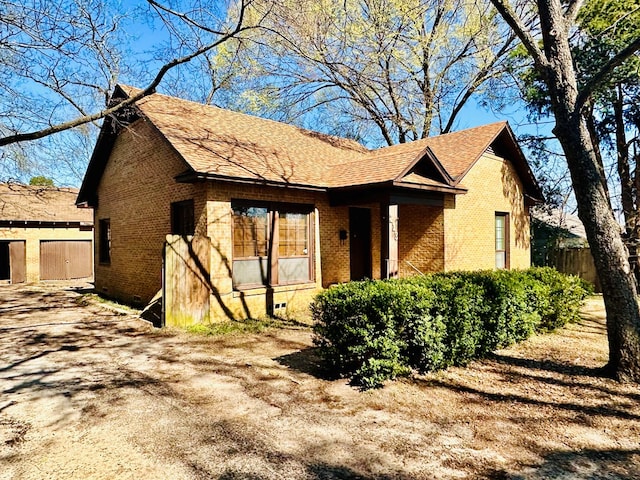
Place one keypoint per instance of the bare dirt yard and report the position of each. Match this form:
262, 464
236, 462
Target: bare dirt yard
88, 393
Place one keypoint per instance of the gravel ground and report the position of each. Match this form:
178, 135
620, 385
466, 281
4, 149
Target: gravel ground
89, 393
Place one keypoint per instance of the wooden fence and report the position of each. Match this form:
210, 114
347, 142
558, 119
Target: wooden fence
186, 280
575, 261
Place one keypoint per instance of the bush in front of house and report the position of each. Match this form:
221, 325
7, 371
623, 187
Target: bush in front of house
562, 303
372, 331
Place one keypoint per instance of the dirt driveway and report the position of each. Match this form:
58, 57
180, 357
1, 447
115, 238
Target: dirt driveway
88, 393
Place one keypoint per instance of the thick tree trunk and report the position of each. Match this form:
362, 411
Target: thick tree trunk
593, 134
603, 232
609, 253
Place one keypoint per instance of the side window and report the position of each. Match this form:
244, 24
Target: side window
104, 241
182, 218
502, 240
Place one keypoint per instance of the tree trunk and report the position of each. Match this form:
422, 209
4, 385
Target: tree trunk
627, 184
595, 141
603, 232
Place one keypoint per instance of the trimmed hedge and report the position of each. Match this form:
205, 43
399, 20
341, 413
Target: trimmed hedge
372, 331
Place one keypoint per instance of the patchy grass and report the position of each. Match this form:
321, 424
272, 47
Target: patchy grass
236, 327
95, 299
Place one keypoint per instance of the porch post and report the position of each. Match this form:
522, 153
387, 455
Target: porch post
389, 241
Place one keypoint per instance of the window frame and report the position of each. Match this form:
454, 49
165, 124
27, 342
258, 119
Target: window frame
104, 241
177, 218
272, 257
506, 251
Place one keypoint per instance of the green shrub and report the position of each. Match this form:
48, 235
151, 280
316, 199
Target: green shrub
373, 331
564, 297
422, 332
356, 332
459, 303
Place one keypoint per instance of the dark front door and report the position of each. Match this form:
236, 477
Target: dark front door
360, 243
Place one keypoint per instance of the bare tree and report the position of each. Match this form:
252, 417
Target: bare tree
555, 64
398, 69
64, 46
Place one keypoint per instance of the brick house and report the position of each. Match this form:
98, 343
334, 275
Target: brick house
288, 211
43, 235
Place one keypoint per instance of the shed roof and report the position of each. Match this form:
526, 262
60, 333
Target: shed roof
29, 203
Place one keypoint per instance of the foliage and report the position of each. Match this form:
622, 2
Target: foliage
359, 335
392, 70
612, 114
41, 181
372, 331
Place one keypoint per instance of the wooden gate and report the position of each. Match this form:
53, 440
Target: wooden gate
65, 259
186, 280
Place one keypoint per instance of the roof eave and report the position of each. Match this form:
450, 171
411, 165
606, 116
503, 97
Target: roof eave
193, 177
101, 152
430, 188
535, 192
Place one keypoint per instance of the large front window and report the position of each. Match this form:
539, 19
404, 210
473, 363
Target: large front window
271, 244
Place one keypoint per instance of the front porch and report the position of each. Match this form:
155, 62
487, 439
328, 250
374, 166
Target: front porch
393, 232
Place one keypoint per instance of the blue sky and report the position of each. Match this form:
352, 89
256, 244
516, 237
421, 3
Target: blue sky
145, 33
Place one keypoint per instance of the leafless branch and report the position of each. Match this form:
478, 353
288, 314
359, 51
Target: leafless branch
84, 119
519, 28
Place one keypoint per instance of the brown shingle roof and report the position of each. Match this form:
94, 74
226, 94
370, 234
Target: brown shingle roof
228, 144
26, 203
218, 143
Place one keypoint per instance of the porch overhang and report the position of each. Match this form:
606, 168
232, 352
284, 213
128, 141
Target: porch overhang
392, 192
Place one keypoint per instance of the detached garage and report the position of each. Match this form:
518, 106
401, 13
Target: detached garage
43, 235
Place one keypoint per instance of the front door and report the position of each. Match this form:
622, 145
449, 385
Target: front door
360, 243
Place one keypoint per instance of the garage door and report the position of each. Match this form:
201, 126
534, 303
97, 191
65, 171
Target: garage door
12, 261
65, 259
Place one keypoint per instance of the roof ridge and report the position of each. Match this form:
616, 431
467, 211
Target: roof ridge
311, 133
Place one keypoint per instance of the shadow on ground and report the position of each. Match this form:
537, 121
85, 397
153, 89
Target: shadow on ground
578, 465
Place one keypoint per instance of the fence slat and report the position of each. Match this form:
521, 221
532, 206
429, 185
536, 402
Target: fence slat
186, 280
575, 261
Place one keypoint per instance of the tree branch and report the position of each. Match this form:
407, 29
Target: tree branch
23, 137
519, 28
184, 17
572, 11
604, 73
